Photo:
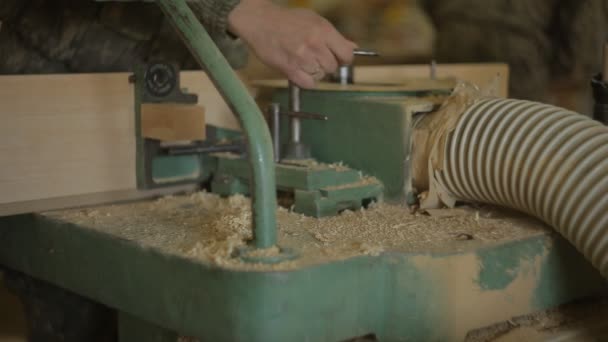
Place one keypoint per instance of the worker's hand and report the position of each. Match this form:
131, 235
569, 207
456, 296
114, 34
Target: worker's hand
298, 42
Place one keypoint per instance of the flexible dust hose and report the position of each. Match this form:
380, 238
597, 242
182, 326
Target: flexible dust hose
536, 158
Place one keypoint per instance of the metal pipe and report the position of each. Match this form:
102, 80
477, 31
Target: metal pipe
294, 107
274, 111
234, 92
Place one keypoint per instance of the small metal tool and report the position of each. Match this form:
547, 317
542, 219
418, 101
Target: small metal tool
295, 148
306, 115
368, 53
206, 149
345, 74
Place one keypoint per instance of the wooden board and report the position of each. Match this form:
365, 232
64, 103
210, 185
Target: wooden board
172, 122
490, 77
374, 85
65, 135
70, 139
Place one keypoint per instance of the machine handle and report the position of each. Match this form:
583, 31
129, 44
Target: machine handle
366, 53
234, 92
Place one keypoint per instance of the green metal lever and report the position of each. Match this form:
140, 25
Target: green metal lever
234, 92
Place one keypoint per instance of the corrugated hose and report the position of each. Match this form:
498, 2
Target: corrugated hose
540, 159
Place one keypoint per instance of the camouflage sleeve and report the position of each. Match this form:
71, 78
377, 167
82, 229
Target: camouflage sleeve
214, 13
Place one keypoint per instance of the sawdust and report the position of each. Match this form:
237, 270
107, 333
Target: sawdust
366, 180
211, 229
432, 131
315, 165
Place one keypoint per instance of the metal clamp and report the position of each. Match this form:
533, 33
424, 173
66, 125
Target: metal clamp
296, 149
346, 73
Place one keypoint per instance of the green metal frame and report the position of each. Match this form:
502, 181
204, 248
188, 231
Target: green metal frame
235, 93
370, 133
163, 170
398, 296
319, 190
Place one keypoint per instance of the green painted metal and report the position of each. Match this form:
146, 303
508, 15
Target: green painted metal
291, 176
398, 296
367, 133
165, 170
236, 95
227, 185
319, 190
176, 168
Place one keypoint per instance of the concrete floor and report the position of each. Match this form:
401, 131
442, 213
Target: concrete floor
12, 325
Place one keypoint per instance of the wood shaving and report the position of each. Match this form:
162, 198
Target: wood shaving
315, 165
210, 229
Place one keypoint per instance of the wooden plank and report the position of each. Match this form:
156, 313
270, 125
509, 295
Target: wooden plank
79, 201
64, 135
493, 78
70, 139
172, 122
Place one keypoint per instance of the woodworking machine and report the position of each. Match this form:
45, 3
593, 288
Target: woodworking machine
340, 147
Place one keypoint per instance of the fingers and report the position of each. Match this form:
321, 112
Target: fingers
301, 78
327, 60
341, 47
314, 62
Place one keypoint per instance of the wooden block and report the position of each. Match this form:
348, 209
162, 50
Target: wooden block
173, 122
217, 112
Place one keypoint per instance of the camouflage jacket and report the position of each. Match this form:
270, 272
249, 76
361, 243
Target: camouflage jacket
63, 36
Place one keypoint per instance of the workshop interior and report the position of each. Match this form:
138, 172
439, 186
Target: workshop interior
159, 183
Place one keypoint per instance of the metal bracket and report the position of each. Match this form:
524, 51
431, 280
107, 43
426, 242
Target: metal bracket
157, 82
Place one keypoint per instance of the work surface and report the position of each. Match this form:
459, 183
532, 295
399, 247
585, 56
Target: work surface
382, 270
209, 228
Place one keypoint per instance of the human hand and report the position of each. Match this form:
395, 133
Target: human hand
298, 42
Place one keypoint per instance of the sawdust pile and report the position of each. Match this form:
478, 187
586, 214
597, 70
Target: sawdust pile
211, 229
315, 165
